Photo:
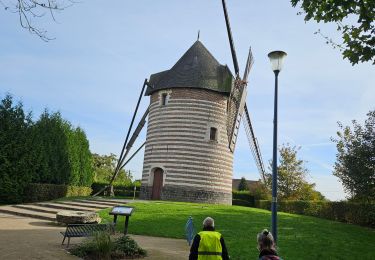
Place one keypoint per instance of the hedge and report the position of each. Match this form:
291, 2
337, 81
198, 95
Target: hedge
35, 192
244, 203
243, 198
119, 190
343, 211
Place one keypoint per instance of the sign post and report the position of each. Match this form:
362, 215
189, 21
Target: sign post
122, 211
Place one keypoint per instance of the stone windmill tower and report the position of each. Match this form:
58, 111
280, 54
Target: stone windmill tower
193, 120
187, 155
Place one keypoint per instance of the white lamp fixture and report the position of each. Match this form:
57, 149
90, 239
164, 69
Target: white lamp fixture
277, 59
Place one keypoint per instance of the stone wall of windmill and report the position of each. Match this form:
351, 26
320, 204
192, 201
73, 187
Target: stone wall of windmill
187, 155
195, 168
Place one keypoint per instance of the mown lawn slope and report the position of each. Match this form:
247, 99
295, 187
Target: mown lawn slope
300, 237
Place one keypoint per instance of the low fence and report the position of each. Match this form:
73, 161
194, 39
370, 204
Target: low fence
119, 190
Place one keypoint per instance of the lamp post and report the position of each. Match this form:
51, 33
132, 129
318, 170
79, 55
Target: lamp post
276, 59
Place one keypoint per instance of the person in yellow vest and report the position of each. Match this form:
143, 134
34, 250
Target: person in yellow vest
208, 244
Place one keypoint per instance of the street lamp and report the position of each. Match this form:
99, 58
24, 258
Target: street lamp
276, 59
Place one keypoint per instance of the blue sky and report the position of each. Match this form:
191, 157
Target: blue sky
93, 71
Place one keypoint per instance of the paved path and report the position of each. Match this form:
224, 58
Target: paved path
27, 231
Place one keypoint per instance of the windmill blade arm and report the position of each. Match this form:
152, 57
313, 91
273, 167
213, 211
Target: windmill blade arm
145, 83
253, 142
234, 56
120, 164
249, 65
139, 128
131, 157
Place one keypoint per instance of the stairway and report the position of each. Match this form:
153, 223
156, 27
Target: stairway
47, 210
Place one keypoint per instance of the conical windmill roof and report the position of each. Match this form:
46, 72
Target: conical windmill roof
197, 68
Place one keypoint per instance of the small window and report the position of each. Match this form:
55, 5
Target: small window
213, 134
164, 99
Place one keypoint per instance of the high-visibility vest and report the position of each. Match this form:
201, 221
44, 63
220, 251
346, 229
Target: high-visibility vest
209, 246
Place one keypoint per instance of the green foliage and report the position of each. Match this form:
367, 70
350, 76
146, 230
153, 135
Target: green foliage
35, 192
298, 235
243, 203
243, 185
16, 161
50, 150
343, 211
243, 198
127, 247
63, 155
358, 36
260, 191
100, 246
243, 195
355, 159
104, 167
291, 176
77, 191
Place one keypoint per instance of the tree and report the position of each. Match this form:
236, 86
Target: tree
50, 148
243, 185
291, 176
260, 191
28, 10
358, 37
104, 166
15, 155
355, 159
62, 152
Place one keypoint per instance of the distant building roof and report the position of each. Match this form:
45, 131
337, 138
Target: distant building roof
236, 183
197, 68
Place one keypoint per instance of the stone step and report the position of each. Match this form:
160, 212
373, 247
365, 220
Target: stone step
36, 208
114, 201
83, 204
61, 206
27, 213
99, 202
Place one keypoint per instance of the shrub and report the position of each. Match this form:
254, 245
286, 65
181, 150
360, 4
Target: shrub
127, 247
35, 192
99, 246
343, 211
102, 247
74, 191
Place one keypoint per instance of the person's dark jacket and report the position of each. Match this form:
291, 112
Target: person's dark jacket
194, 247
268, 254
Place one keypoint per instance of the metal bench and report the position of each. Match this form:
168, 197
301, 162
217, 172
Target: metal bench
85, 230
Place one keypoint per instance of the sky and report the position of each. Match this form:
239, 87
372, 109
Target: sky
93, 71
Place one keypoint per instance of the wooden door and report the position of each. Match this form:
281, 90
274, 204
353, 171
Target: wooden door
158, 184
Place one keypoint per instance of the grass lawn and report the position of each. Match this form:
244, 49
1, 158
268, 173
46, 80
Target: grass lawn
300, 237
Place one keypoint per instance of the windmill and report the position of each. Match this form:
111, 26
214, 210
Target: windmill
193, 120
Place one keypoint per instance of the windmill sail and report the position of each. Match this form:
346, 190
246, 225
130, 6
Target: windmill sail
253, 142
236, 103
